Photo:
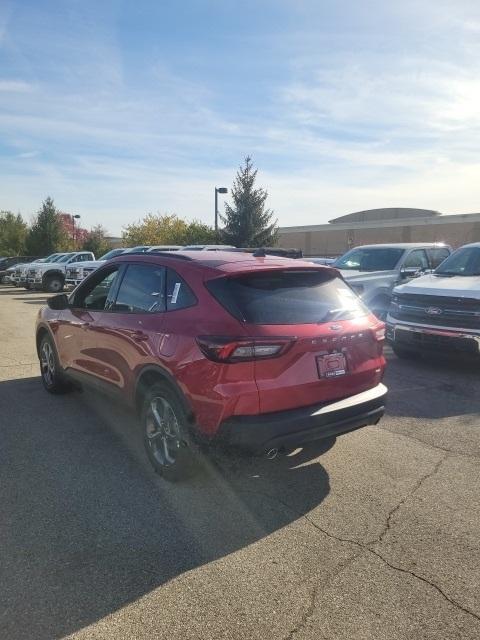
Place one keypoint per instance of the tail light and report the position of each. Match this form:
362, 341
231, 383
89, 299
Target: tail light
231, 349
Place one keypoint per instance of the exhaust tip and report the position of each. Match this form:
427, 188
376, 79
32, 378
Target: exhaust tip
272, 453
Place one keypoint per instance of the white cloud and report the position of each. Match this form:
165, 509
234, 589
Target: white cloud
15, 86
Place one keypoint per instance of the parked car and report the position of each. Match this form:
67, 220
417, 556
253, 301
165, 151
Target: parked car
258, 353
439, 312
51, 276
19, 277
76, 271
374, 270
6, 264
318, 260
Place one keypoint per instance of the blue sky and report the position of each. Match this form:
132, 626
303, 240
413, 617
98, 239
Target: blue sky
120, 108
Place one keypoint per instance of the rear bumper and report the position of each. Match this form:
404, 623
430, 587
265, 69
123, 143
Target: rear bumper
429, 338
296, 427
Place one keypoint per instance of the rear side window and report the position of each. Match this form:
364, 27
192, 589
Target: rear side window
142, 290
416, 260
287, 297
179, 294
437, 256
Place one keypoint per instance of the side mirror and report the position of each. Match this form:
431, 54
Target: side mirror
410, 272
58, 303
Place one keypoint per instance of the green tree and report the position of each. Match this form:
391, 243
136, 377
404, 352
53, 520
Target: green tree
47, 234
13, 232
166, 229
96, 241
247, 222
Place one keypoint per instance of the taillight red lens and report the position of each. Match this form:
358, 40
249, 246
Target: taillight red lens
231, 349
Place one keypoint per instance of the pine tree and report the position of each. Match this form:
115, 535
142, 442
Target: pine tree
46, 235
247, 222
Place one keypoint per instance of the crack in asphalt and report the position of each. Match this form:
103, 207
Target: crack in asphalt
412, 492
309, 611
367, 548
428, 444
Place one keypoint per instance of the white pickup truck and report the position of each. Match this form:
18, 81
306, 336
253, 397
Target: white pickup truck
374, 270
439, 312
51, 276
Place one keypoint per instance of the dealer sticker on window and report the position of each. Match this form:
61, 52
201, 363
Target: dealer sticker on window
176, 289
331, 365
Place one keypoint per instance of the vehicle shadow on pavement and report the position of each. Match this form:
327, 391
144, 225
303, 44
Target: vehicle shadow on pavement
433, 387
87, 527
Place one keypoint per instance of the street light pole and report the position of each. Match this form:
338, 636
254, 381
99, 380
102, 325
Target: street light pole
217, 191
75, 217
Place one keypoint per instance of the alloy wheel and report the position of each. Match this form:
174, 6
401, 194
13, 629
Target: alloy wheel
47, 363
163, 432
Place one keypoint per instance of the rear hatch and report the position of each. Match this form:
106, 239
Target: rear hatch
315, 341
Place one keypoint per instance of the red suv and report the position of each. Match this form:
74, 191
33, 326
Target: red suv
259, 352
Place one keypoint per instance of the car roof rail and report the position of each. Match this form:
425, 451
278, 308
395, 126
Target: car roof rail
169, 254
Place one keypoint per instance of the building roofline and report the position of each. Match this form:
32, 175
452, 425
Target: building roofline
375, 224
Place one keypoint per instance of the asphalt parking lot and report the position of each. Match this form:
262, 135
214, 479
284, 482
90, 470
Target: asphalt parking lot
374, 536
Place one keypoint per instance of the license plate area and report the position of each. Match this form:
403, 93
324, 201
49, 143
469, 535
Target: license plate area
331, 365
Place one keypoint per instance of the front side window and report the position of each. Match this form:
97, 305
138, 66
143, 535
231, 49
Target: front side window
370, 259
96, 294
462, 262
142, 290
287, 297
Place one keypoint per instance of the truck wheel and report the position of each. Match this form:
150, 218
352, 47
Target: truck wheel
166, 437
50, 368
53, 284
402, 352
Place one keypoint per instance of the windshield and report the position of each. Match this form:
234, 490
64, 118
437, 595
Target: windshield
463, 262
112, 254
370, 259
51, 257
287, 297
63, 258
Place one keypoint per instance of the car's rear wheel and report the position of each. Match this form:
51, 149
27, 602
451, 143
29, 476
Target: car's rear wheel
166, 436
50, 369
54, 284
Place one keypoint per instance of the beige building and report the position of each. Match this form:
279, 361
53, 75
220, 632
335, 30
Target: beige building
381, 225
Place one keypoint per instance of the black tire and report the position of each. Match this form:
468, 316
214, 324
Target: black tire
168, 443
50, 369
53, 284
27, 287
404, 353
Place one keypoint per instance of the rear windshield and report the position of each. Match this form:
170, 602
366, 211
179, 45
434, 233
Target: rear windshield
287, 297
371, 259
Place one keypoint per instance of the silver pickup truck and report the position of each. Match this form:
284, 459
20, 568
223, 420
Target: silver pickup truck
374, 270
